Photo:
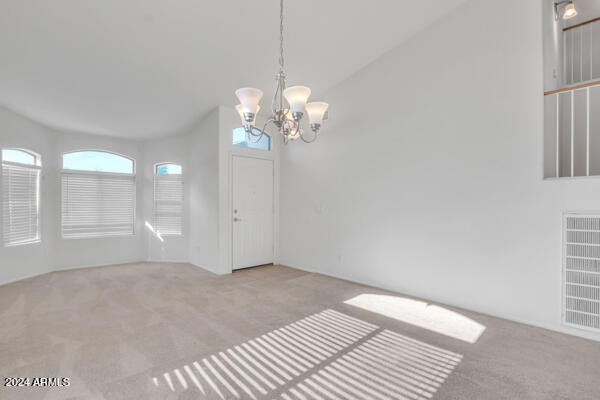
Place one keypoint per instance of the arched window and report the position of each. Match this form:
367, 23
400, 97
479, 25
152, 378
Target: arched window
21, 156
21, 171
98, 194
98, 161
168, 199
168, 169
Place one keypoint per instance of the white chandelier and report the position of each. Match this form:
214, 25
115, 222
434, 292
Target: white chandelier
288, 105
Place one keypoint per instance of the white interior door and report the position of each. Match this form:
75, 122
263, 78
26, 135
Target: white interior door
252, 212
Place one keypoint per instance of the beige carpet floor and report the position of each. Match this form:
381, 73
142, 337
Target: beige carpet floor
173, 331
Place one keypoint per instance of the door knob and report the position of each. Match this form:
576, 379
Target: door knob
235, 219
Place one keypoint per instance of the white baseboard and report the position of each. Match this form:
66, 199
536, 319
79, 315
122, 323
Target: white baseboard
152, 260
69, 268
212, 270
24, 277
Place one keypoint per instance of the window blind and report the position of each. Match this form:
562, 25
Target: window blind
97, 205
168, 204
21, 204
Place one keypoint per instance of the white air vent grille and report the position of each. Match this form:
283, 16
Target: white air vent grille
581, 271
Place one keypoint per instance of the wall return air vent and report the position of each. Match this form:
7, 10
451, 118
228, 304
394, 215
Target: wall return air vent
581, 271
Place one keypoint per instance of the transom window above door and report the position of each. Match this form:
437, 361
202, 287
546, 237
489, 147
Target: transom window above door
244, 139
98, 161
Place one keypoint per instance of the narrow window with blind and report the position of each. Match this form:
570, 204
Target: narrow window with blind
98, 195
168, 199
21, 171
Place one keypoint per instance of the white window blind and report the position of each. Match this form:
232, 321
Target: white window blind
21, 204
97, 204
168, 204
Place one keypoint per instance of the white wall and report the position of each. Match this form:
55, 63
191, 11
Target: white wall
427, 179
20, 262
553, 46
54, 252
203, 193
198, 154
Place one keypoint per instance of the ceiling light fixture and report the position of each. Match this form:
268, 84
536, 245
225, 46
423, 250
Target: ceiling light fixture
288, 105
568, 12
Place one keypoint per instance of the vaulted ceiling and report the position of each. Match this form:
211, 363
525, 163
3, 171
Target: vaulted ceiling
149, 68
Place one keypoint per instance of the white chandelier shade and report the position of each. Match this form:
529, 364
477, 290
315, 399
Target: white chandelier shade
249, 98
297, 96
238, 108
316, 112
240, 111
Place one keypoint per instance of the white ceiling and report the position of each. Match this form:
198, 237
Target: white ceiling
148, 68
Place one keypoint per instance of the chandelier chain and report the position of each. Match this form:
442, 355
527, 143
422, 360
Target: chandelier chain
281, 35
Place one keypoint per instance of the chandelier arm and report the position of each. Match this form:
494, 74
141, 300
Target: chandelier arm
262, 131
252, 135
251, 132
297, 125
255, 141
306, 140
267, 122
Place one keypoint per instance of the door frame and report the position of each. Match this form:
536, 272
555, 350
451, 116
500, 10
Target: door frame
228, 120
274, 163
